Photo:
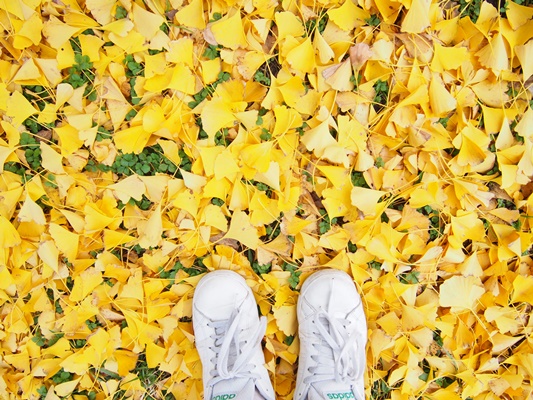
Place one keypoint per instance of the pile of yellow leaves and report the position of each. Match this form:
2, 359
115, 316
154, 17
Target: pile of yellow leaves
143, 143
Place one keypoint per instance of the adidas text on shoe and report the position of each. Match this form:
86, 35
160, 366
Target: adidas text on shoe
228, 334
333, 334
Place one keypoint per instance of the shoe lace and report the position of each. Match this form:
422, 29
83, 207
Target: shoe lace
232, 352
335, 349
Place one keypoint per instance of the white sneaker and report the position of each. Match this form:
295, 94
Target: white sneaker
228, 334
333, 335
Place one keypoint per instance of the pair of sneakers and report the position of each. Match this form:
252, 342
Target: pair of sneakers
332, 332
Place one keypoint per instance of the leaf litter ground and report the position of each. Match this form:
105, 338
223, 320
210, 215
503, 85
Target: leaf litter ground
145, 143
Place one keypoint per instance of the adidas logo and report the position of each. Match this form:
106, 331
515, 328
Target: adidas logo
224, 397
347, 395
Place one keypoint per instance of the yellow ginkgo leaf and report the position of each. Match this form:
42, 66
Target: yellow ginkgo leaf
214, 217
286, 319
488, 15
229, 32
125, 360
181, 51
5, 154
242, 230
461, 293
19, 108
193, 181
348, 16
334, 240
440, 99
30, 211
286, 118
226, 166
289, 25
30, 32
382, 247
292, 90
389, 9
337, 200
494, 55
64, 92
130, 187
367, 200
337, 175
491, 93
192, 15
466, 226
132, 42
9, 236
153, 119
505, 138
522, 287
50, 68
302, 57
525, 55
145, 22
57, 32
4, 96
85, 283
518, 14
114, 239
143, 332
66, 388
69, 140
154, 355
119, 27
52, 161
417, 18
150, 231
504, 318
131, 140
95, 219
323, 49
270, 176
448, 58
471, 140
211, 69
66, 241
216, 114
338, 76
49, 254
318, 139
101, 10
27, 72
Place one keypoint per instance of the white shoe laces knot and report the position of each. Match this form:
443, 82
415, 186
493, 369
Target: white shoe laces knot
233, 352
336, 349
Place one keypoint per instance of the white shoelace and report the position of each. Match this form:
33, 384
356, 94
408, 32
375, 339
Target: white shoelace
232, 353
336, 350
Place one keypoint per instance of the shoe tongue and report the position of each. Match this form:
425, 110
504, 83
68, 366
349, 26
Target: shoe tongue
330, 390
236, 389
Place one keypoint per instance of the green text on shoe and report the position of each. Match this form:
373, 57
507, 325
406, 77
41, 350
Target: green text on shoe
224, 396
347, 395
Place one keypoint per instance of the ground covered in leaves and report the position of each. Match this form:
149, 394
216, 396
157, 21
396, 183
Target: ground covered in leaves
143, 143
